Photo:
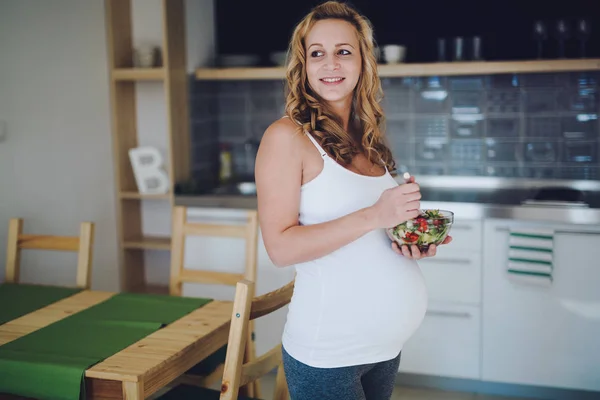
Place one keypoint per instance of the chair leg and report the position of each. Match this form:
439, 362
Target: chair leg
252, 389
13, 254
250, 355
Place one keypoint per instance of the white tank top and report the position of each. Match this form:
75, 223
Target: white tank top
360, 303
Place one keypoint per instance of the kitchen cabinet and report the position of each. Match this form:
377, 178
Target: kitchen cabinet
453, 276
446, 344
466, 235
479, 324
546, 334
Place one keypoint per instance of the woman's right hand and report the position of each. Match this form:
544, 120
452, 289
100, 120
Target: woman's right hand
397, 205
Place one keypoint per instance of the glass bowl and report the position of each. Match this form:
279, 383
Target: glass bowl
430, 227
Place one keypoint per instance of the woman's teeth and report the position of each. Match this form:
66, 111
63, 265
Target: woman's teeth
332, 80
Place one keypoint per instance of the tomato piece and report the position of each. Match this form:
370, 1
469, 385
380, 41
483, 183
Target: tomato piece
411, 237
421, 224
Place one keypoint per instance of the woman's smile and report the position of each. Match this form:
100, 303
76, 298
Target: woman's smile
332, 81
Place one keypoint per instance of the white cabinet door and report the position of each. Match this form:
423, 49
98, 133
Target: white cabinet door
466, 235
543, 335
453, 276
446, 344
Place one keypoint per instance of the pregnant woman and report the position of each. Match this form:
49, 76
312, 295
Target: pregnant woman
325, 196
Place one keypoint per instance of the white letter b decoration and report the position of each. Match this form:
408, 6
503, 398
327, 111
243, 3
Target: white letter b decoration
147, 165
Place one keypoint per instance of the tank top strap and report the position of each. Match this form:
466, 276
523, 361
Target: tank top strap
317, 145
314, 141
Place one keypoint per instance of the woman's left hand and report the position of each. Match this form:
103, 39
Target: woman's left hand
413, 251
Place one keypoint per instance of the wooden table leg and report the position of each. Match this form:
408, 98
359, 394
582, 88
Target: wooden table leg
133, 390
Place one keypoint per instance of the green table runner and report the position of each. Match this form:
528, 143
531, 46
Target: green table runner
50, 363
17, 300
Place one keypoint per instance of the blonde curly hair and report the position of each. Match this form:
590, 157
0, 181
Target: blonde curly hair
305, 107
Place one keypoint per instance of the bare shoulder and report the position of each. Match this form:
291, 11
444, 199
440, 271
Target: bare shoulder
282, 131
278, 175
278, 150
280, 143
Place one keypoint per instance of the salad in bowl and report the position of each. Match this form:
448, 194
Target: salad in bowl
430, 227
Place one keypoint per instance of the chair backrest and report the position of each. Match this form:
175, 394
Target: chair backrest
82, 244
182, 228
245, 309
248, 231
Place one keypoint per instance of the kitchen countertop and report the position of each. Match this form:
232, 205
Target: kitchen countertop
553, 201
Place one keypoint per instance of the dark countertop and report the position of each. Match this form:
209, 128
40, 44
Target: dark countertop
569, 202
484, 192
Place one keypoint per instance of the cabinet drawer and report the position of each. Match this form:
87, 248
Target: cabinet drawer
466, 235
453, 276
446, 344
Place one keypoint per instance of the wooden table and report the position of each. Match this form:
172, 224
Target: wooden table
145, 367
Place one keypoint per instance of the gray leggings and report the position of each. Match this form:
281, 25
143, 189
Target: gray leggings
359, 382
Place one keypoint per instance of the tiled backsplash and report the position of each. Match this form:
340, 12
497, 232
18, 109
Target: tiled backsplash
514, 126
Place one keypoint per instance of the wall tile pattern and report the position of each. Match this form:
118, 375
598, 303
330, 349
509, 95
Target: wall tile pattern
513, 126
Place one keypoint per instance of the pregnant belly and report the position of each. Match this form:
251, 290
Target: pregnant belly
355, 298
386, 304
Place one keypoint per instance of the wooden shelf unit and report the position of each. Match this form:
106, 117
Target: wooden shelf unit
148, 243
428, 69
138, 74
143, 196
124, 78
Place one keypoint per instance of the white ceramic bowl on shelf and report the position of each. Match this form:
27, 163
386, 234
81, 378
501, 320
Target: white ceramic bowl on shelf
247, 188
394, 53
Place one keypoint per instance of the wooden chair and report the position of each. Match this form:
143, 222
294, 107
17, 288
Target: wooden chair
211, 369
81, 244
237, 373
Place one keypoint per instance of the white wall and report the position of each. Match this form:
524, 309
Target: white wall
56, 162
56, 166
201, 35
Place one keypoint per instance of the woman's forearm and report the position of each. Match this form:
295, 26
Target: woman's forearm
301, 243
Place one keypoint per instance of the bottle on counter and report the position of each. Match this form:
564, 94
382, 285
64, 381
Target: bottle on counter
225, 162
250, 151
